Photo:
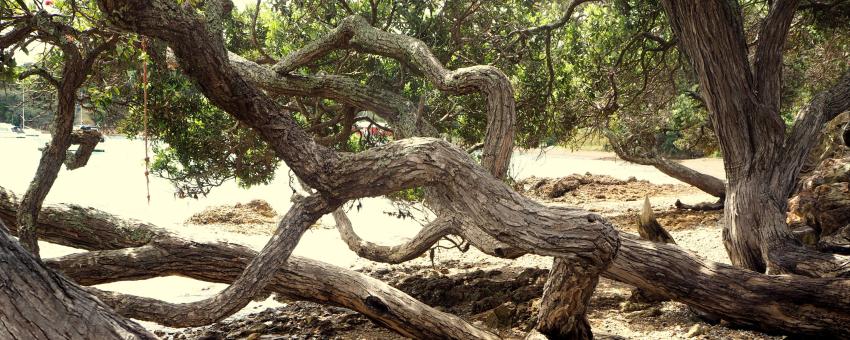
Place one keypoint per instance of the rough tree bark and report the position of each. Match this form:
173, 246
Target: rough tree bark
582, 238
483, 204
568, 288
37, 303
338, 176
761, 161
563, 306
768, 302
136, 250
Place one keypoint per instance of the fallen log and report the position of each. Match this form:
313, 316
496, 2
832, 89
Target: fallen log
132, 250
773, 303
784, 303
704, 206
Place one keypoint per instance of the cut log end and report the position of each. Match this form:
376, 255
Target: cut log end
649, 228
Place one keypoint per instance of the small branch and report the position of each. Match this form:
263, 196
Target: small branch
372, 122
38, 71
267, 59
705, 206
18, 34
389, 105
474, 148
554, 25
430, 234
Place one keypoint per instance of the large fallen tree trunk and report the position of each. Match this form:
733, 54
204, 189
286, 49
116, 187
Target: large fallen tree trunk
133, 250
37, 303
791, 304
786, 303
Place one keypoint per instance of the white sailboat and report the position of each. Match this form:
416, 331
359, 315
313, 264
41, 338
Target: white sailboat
10, 131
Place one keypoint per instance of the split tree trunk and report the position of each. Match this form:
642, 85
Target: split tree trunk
761, 160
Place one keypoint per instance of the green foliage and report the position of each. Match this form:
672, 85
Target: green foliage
411, 195
614, 66
197, 146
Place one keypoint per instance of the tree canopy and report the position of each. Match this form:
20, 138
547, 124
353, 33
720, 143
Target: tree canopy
377, 98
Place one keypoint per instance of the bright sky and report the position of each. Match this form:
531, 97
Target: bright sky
23, 58
36, 47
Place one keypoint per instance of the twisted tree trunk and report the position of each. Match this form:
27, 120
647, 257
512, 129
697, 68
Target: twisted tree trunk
761, 160
478, 204
507, 216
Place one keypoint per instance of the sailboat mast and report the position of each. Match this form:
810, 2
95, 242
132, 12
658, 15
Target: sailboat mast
23, 107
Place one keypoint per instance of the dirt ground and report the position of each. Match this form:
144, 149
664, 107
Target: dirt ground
502, 295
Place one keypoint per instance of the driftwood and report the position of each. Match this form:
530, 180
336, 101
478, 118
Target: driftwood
704, 206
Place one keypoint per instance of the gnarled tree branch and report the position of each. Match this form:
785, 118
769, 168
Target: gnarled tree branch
710, 184
354, 32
